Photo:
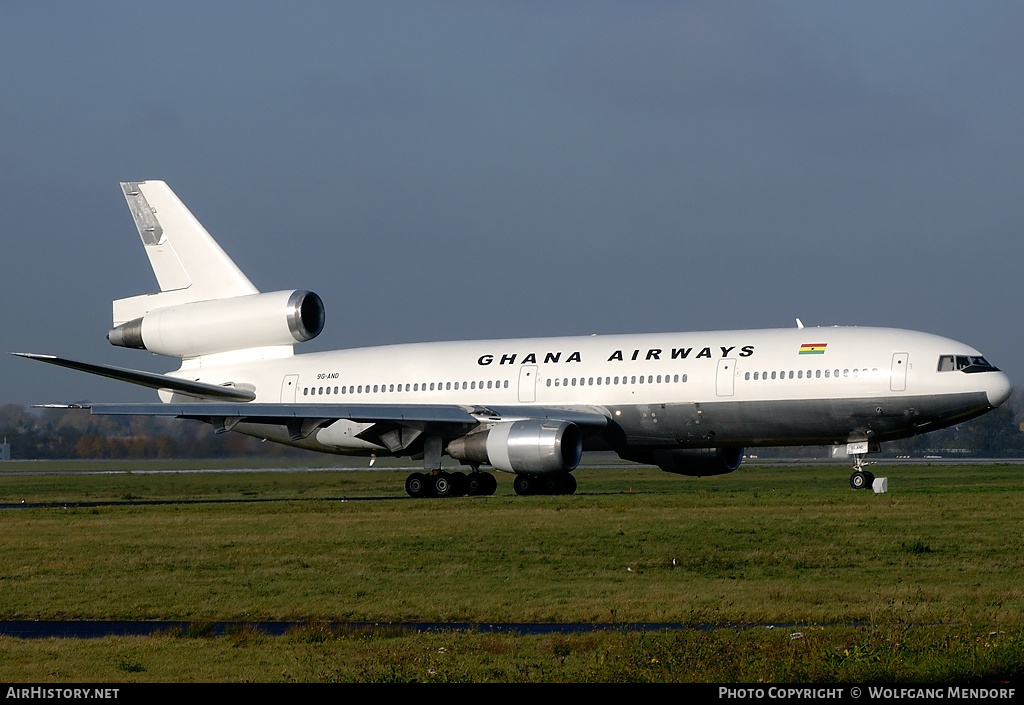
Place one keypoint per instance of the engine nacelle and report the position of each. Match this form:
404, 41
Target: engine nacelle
530, 446
695, 462
220, 325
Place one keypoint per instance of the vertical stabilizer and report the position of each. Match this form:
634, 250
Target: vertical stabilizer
189, 265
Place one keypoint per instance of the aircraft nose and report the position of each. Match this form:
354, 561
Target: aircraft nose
999, 389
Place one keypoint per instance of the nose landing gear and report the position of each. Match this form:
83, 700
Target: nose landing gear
861, 479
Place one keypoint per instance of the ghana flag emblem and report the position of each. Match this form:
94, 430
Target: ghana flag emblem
813, 348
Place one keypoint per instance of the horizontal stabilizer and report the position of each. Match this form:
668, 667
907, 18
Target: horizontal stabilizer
152, 380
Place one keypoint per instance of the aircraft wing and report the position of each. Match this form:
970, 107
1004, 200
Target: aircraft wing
387, 421
230, 405
589, 419
281, 413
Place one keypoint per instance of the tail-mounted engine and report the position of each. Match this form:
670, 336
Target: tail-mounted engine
220, 325
530, 446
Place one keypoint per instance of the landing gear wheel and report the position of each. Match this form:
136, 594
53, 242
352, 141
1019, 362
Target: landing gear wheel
525, 484
475, 484
870, 479
443, 485
416, 485
480, 484
859, 480
491, 484
459, 483
569, 485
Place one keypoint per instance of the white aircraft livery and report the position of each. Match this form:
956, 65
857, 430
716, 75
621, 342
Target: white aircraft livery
689, 403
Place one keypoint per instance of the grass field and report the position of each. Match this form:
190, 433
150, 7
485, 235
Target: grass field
930, 573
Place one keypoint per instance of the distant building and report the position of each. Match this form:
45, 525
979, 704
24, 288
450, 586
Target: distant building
5, 450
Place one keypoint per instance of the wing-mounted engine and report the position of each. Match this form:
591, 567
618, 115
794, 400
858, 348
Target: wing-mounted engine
695, 462
220, 325
528, 446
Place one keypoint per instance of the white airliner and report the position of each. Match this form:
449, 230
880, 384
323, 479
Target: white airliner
687, 402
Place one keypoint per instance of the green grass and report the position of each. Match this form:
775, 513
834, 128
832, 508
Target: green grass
892, 654
935, 561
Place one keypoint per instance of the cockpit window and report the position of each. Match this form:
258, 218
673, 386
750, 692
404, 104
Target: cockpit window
965, 363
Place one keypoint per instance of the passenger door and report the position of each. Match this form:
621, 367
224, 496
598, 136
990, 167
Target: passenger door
725, 381
898, 378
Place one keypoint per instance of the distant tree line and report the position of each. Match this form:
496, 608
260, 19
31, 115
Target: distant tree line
75, 433
62, 434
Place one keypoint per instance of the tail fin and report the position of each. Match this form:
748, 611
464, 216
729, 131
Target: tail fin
189, 265
207, 312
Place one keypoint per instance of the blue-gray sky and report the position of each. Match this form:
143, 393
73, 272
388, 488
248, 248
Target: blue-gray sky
449, 170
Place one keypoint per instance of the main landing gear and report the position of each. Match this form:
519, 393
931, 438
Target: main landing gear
482, 484
450, 484
861, 479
